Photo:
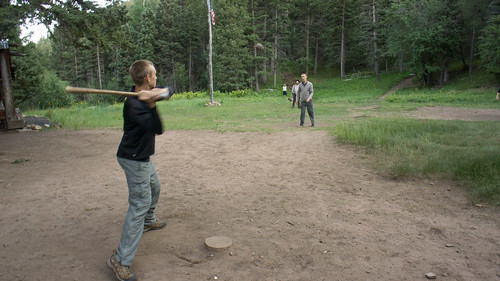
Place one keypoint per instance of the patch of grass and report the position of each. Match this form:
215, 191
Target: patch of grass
354, 89
235, 114
480, 92
480, 98
84, 116
20, 160
468, 152
252, 113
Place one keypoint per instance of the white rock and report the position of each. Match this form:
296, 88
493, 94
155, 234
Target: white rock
430, 275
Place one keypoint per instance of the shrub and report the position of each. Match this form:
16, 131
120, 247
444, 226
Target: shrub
51, 93
242, 93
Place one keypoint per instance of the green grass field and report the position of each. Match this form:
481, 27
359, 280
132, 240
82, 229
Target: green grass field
466, 152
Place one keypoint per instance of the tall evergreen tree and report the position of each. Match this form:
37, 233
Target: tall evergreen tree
432, 46
474, 17
232, 56
489, 48
341, 35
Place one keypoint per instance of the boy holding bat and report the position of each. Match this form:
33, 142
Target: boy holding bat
141, 124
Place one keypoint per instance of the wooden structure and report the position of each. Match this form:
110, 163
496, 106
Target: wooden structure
8, 118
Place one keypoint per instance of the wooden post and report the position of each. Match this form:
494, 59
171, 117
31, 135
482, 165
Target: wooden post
210, 54
6, 89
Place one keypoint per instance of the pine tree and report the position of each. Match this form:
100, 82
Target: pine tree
430, 47
489, 49
232, 56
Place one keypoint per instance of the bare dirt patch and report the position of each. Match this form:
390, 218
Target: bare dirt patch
455, 113
316, 213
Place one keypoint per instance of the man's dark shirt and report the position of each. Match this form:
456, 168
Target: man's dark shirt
140, 125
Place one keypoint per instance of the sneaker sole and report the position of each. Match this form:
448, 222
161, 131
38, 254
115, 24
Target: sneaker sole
148, 229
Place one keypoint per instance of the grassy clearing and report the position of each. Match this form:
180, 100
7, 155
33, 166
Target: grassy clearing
83, 116
355, 89
235, 114
477, 98
468, 152
460, 92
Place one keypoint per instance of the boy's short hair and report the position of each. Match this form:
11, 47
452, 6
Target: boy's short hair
139, 70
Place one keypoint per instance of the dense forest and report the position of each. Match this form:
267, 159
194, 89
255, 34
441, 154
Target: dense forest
92, 46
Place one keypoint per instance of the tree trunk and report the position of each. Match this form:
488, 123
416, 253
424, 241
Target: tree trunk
315, 71
307, 40
63, 61
174, 78
342, 43
462, 56
275, 45
472, 49
400, 62
256, 68
375, 55
264, 62
116, 73
76, 68
99, 68
446, 74
190, 69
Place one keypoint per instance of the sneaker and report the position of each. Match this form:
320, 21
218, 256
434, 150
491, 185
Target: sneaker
157, 225
123, 272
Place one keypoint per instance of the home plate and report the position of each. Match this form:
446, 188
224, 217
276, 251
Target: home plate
218, 243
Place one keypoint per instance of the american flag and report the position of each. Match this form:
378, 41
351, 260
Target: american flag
212, 14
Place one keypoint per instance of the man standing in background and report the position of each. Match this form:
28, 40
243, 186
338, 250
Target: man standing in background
305, 94
295, 90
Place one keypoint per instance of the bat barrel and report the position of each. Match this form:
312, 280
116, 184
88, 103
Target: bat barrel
77, 90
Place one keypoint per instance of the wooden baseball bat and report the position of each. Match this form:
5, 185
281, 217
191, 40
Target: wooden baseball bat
77, 90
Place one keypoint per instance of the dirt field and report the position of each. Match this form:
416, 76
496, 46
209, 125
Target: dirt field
316, 213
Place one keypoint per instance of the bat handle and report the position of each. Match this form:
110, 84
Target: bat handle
164, 96
169, 91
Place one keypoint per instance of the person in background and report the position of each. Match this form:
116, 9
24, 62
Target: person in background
498, 94
295, 91
304, 100
284, 90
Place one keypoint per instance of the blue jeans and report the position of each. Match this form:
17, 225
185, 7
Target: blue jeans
309, 106
143, 194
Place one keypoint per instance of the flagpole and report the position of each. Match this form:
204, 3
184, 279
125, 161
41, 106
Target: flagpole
210, 54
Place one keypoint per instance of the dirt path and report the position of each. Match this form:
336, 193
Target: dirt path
62, 212
405, 83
